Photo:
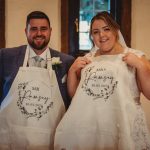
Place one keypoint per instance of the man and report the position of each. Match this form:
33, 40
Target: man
33, 98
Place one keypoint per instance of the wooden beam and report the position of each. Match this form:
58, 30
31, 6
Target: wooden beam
64, 26
2, 24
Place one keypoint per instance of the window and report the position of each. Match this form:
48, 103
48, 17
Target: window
74, 35
88, 8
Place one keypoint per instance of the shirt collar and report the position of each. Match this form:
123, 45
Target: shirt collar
33, 54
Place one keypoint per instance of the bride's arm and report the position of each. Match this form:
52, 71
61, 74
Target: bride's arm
75, 73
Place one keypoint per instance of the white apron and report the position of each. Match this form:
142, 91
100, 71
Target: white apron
32, 109
105, 113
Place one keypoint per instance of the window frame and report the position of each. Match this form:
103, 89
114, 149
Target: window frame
121, 9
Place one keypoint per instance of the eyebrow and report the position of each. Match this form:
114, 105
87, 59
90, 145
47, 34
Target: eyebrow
101, 27
37, 27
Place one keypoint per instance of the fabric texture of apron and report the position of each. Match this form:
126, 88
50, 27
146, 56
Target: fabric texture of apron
32, 109
105, 113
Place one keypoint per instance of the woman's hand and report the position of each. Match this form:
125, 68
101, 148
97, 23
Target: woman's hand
75, 73
142, 66
132, 60
79, 64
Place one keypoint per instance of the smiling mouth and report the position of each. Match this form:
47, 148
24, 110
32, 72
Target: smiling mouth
39, 39
103, 41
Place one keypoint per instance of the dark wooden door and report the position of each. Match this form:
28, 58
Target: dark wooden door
2, 23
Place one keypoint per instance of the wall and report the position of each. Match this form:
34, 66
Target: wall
16, 12
140, 36
141, 25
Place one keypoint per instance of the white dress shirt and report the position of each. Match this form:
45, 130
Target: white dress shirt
32, 54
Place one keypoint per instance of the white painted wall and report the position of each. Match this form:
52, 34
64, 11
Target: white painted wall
141, 25
141, 37
16, 12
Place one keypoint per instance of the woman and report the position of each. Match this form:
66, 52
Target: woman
105, 112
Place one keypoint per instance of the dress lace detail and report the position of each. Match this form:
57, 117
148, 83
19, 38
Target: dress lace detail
140, 133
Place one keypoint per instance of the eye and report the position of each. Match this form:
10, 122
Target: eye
33, 29
106, 29
43, 29
95, 32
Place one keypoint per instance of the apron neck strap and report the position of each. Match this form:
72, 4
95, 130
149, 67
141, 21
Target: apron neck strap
49, 60
26, 56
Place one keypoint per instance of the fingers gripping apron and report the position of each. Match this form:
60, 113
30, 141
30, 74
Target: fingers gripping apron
103, 114
32, 109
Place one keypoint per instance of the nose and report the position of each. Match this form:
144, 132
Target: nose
101, 33
39, 32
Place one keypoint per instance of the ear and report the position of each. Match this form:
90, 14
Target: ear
25, 30
50, 31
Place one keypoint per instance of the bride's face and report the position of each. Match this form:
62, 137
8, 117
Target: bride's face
103, 36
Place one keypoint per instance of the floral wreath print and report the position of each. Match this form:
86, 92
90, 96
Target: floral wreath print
99, 83
30, 102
